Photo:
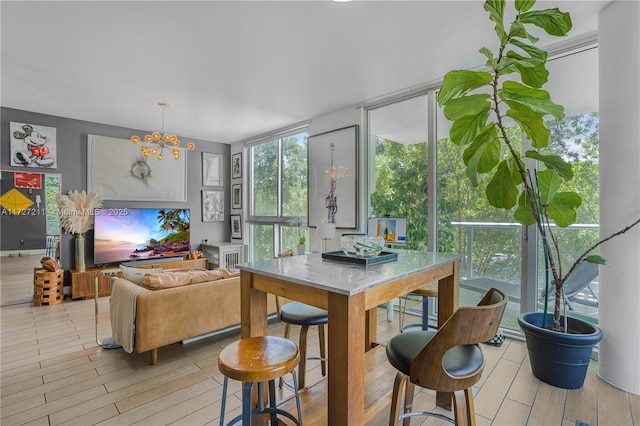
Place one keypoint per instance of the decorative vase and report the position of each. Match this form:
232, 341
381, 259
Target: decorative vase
80, 264
559, 359
301, 248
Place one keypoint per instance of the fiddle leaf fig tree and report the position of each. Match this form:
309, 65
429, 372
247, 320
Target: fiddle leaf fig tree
480, 102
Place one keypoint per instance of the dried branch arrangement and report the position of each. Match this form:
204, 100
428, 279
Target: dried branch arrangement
76, 210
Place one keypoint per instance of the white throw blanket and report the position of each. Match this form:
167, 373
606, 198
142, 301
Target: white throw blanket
123, 312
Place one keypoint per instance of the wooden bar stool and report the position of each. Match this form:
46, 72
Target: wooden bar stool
258, 360
430, 290
296, 313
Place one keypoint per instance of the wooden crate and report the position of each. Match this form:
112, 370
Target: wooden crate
47, 287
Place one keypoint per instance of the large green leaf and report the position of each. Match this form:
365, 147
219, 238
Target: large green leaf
548, 183
501, 191
524, 5
465, 130
524, 214
562, 209
496, 13
553, 21
594, 258
483, 154
554, 162
465, 106
535, 76
459, 82
531, 123
491, 60
517, 29
533, 51
536, 99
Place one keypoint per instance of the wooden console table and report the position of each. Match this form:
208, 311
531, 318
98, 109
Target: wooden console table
351, 294
82, 283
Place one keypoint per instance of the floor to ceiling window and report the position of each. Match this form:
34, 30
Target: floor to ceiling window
278, 194
398, 181
493, 245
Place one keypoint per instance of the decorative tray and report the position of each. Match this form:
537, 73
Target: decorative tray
384, 256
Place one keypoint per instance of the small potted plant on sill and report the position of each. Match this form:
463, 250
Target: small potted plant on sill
302, 239
479, 102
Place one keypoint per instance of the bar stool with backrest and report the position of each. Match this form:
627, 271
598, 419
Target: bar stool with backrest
258, 360
296, 313
447, 360
430, 290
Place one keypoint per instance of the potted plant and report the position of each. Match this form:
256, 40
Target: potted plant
478, 102
302, 229
76, 216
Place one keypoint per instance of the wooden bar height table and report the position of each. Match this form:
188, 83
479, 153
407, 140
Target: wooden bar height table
350, 293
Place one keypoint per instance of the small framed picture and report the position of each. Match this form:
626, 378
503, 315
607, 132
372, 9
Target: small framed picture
212, 206
236, 226
212, 169
236, 165
236, 196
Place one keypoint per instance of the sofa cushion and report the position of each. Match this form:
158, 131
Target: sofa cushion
166, 279
228, 273
136, 275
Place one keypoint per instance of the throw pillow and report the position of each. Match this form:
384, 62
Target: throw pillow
136, 275
204, 276
228, 273
159, 281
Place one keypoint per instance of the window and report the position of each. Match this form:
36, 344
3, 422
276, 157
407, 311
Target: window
278, 200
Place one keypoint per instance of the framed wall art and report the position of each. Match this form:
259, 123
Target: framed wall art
236, 196
333, 178
33, 146
212, 206
117, 170
212, 169
236, 165
236, 226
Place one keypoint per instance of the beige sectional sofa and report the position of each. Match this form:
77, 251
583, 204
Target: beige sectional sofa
177, 305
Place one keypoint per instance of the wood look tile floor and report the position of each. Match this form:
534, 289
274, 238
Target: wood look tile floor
54, 373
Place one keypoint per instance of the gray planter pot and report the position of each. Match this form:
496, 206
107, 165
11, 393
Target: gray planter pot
559, 359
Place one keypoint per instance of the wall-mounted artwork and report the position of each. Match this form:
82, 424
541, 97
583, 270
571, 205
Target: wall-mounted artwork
333, 178
33, 146
212, 169
117, 170
236, 196
236, 165
236, 226
212, 206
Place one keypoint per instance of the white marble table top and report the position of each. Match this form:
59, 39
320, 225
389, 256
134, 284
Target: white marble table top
346, 278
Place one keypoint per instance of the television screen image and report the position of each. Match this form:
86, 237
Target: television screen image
392, 229
127, 234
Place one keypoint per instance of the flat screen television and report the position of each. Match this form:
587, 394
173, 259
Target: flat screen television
129, 234
392, 229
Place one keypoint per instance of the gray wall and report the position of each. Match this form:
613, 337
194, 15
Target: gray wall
71, 139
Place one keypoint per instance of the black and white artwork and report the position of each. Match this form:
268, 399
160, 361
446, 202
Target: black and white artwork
236, 196
212, 169
117, 170
236, 165
236, 226
212, 206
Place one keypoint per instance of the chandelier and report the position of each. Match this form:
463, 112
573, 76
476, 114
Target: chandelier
156, 142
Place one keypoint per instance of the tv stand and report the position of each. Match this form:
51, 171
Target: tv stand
82, 285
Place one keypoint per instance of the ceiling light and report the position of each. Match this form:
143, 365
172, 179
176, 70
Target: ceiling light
156, 142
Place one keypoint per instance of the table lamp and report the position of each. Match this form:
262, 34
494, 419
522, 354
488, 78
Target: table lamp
326, 231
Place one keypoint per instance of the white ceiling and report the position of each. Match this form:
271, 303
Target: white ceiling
230, 70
